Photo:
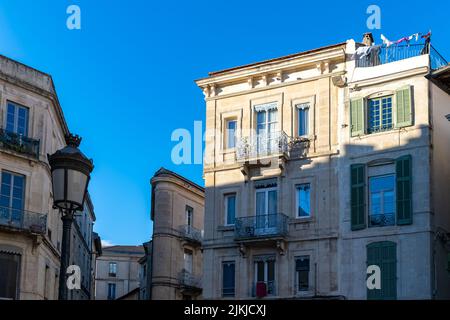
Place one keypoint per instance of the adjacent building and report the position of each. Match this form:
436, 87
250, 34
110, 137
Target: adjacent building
323, 163
32, 125
173, 263
117, 272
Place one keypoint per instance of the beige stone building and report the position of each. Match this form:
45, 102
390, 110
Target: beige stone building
176, 257
32, 126
117, 272
321, 163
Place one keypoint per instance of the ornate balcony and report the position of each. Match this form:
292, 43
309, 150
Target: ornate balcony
189, 283
19, 143
261, 227
191, 234
23, 220
263, 145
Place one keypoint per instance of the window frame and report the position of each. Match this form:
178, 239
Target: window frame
233, 294
299, 107
17, 107
369, 199
112, 269
266, 280
297, 200
189, 215
226, 204
297, 275
11, 191
380, 98
227, 133
110, 286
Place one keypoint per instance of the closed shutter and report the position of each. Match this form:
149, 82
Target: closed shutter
404, 190
404, 107
357, 195
384, 255
9, 273
357, 117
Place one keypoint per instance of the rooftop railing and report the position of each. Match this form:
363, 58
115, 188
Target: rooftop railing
23, 220
261, 226
401, 52
262, 145
19, 143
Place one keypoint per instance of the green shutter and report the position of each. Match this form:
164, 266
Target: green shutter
404, 107
356, 117
404, 190
384, 255
358, 196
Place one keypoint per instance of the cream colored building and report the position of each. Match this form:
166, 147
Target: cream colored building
318, 165
176, 257
32, 126
117, 271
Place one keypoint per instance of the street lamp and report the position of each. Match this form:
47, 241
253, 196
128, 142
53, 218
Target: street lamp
70, 170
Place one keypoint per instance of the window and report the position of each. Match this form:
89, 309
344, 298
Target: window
382, 201
384, 255
230, 209
380, 114
266, 210
111, 291
17, 119
228, 279
266, 127
303, 200
12, 193
302, 273
188, 261
112, 269
265, 276
230, 140
189, 216
303, 119
9, 275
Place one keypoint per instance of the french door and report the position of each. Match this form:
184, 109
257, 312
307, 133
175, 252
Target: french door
266, 126
266, 210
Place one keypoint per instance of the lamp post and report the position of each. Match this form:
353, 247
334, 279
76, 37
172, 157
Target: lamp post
70, 170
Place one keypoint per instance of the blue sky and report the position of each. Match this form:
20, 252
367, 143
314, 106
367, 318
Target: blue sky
126, 79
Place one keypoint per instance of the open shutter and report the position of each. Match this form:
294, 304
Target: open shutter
404, 107
357, 195
404, 190
356, 117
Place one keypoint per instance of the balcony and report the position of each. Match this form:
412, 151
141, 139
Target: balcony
18, 143
381, 220
191, 234
260, 228
263, 145
401, 52
23, 220
189, 283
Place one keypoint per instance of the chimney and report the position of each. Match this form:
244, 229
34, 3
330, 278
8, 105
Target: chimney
368, 39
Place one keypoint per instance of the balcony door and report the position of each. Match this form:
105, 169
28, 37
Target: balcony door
265, 273
266, 211
188, 261
9, 276
266, 127
12, 192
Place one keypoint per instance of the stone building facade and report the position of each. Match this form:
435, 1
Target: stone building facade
177, 213
32, 126
319, 164
117, 271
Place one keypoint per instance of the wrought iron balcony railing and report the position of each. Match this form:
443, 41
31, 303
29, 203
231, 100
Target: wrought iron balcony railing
23, 220
400, 52
19, 143
381, 220
261, 226
256, 146
188, 280
190, 233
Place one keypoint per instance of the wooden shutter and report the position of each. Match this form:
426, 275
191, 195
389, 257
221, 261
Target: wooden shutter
404, 107
404, 190
384, 255
358, 196
357, 117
